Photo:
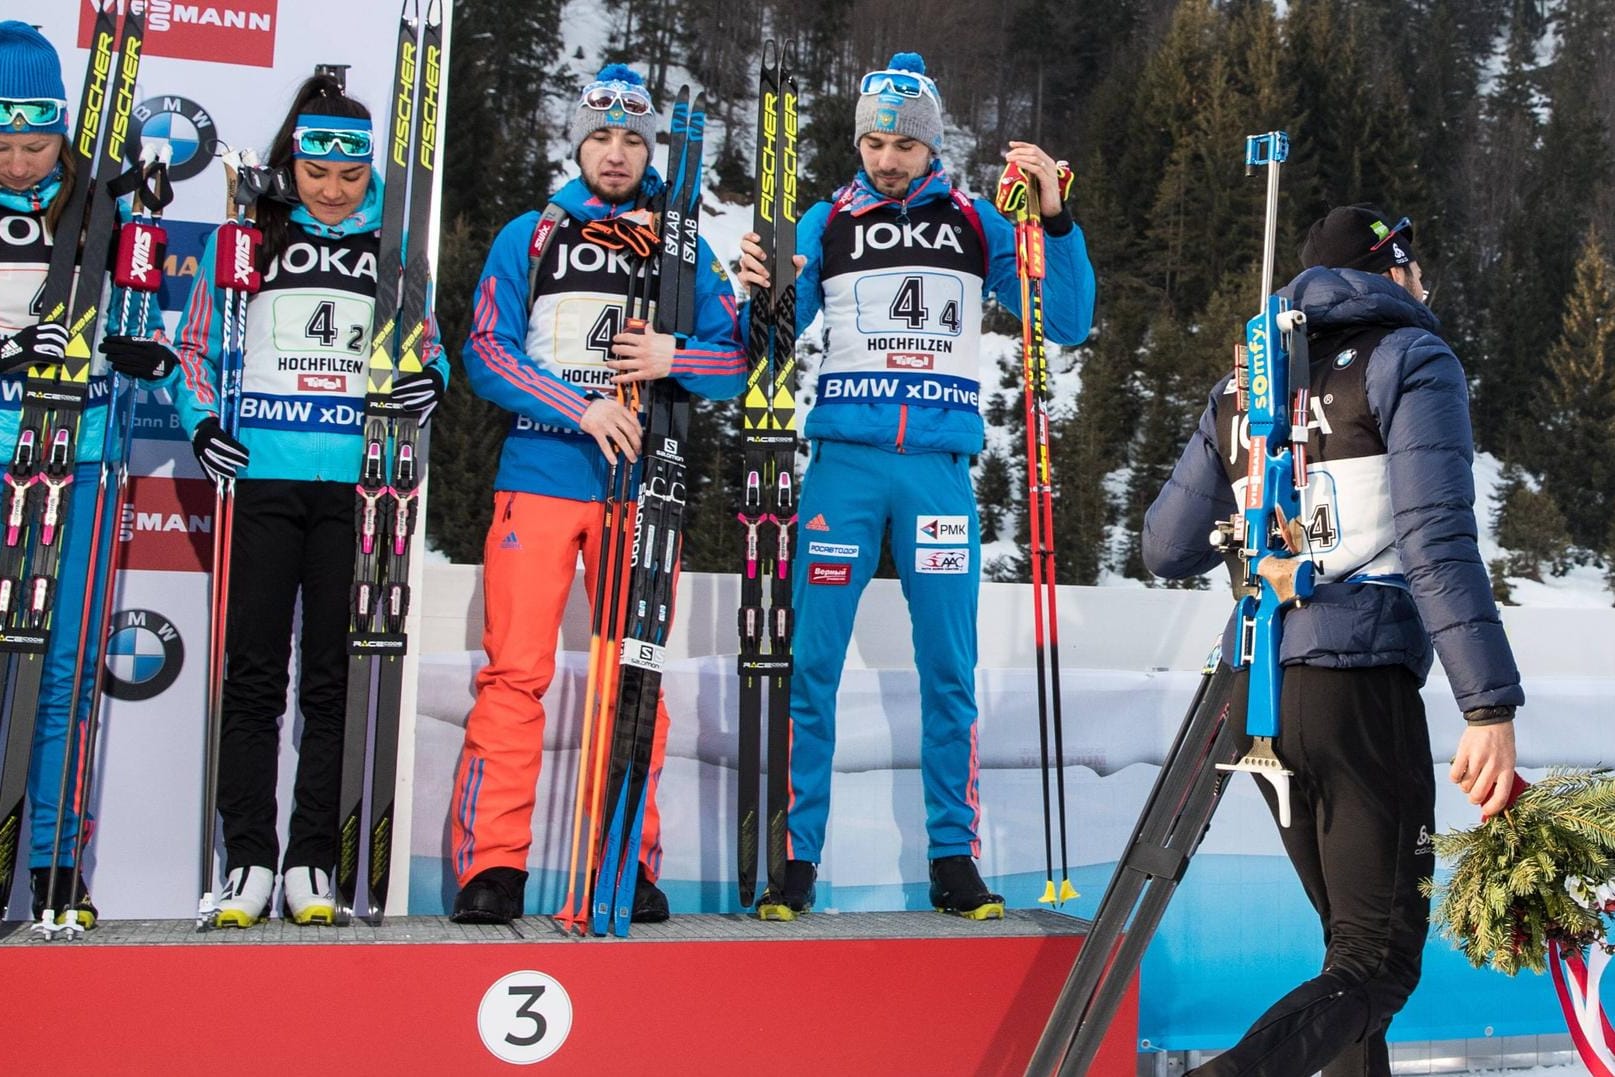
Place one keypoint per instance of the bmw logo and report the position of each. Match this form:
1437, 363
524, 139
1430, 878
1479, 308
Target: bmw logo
1343, 360
187, 127
144, 655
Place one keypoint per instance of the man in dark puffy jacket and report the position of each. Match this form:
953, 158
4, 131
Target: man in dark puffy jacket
1389, 521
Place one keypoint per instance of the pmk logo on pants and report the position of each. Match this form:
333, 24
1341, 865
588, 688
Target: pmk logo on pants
940, 530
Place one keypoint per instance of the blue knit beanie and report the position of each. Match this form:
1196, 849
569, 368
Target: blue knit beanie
885, 111
620, 79
30, 70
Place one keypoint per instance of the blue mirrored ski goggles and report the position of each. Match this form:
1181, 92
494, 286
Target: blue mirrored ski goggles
30, 112
902, 83
323, 143
634, 101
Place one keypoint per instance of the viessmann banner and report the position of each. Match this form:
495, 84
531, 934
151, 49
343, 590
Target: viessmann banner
212, 75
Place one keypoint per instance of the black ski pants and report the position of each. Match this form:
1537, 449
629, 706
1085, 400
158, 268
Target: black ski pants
1362, 809
290, 537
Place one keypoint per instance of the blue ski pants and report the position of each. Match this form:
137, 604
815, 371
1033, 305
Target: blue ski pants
57, 716
852, 494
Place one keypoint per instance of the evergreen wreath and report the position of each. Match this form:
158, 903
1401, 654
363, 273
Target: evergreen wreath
1536, 874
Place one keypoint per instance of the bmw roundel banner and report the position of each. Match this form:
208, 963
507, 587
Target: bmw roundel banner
213, 75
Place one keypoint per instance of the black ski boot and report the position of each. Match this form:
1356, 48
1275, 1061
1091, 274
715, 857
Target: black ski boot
650, 904
492, 896
797, 897
66, 881
956, 887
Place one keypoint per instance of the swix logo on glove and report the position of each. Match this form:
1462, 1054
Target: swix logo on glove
823, 575
140, 257
942, 529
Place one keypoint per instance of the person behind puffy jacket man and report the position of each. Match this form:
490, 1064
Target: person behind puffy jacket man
542, 346
1389, 520
900, 261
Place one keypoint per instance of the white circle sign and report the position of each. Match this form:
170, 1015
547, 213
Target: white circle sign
524, 1017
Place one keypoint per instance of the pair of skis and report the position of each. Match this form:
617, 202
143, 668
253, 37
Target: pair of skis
388, 492
1271, 375
1017, 199
633, 607
768, 483
38, 481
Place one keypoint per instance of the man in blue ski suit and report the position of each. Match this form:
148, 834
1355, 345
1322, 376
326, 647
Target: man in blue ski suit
1388, 519
900, 262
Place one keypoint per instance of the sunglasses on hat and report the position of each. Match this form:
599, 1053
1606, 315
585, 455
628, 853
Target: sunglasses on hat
31, 112
1385, 234
321, 142
902, 83
634, 101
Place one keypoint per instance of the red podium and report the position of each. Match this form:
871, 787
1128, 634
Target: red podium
859, 993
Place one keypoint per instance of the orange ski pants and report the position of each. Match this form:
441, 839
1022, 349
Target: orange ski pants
529, 563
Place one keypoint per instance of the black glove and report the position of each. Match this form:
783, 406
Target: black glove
135, 357
43, 342
220, 455
419, 393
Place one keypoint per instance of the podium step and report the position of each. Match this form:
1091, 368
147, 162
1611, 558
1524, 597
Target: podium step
851, 993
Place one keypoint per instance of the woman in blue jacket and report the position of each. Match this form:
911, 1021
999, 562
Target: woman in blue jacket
296, 463
35, 178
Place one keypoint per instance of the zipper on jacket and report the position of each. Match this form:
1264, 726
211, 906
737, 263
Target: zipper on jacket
902, 424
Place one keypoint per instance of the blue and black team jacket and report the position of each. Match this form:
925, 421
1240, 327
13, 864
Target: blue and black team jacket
542, 357
25, 248
308, 350
1389, 508
901, 284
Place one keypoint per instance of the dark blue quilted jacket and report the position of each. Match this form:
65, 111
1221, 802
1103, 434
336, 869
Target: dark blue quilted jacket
1417, 395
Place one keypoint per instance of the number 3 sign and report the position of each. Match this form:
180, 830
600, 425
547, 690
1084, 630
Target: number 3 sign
524, 1017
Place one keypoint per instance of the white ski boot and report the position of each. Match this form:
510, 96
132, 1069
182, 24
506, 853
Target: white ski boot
307, 893
245, 900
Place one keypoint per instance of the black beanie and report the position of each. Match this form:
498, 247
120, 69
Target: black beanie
1358, 237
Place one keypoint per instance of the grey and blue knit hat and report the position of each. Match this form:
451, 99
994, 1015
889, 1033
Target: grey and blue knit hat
616, 98
901, 100
30, 70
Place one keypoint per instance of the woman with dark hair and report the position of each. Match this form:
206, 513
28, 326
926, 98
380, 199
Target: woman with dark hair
295, 460
36, 178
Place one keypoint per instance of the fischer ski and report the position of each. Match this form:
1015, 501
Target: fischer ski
236, 275
1017, 199
768, 485
393, 467
39, 479
138, 272
657, 538
1271, 378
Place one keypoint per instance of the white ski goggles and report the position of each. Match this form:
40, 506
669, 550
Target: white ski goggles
601, 98
18, 114
902, 83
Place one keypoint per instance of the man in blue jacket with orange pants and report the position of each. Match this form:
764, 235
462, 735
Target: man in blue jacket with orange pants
900, 261
542, 346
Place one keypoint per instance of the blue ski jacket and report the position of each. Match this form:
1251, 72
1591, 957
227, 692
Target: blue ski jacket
25, 249
304, 377
541, 356
896, 312
1408, 485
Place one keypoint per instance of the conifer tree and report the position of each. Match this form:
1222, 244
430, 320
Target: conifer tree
1575, 404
